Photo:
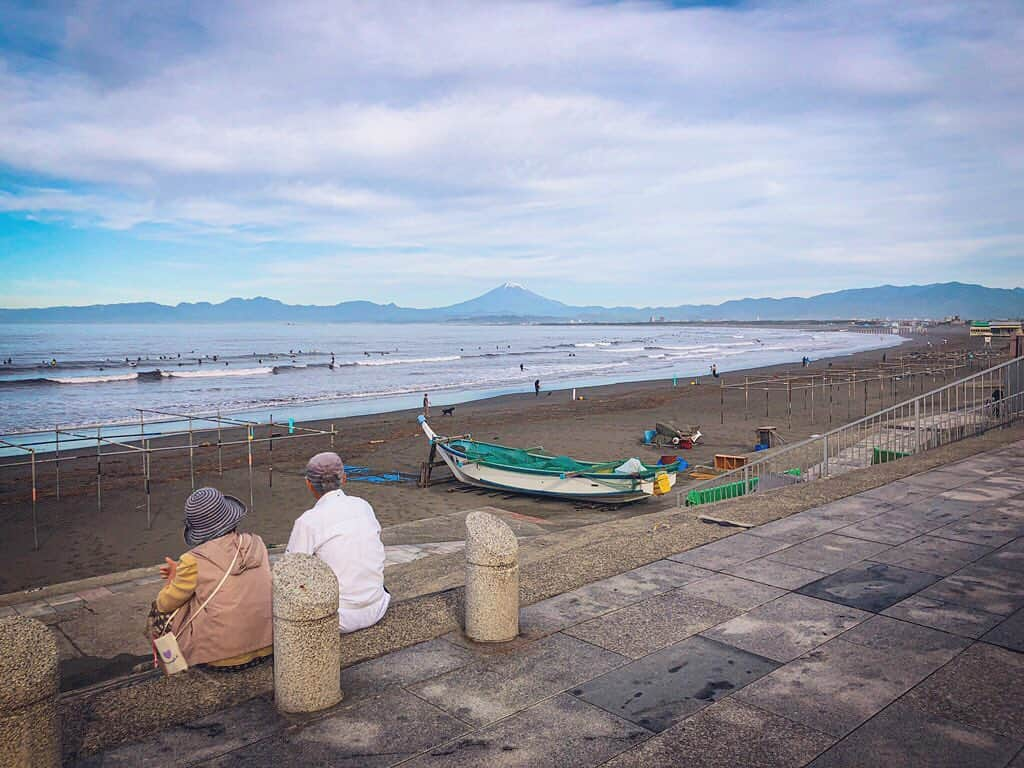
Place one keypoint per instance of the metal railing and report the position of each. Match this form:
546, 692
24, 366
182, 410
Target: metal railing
970, 406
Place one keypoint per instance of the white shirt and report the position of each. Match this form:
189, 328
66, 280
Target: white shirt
343, 532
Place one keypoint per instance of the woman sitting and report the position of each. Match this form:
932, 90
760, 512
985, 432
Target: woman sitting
234, 627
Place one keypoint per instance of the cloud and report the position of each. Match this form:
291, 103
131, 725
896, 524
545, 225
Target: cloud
859, 141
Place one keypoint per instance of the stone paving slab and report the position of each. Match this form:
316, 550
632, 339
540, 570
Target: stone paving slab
644, 627
943, 480
677, 681
495, 687
770, 572
982, 687
869, 586
728, 734
903, 736
828, 553
852, 509
836, 687
404, 667
990, 533
797, 528
201, 740
992, 590
939, 510
930, 648
562, 731
371, 733
898, 494
1009, 634
890, 528
732, 550
599, 597
933, 554
787, 627
947, 616
732, 591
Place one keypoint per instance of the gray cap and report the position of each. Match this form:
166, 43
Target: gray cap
325, 470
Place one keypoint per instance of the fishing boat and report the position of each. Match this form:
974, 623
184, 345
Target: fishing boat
535, 472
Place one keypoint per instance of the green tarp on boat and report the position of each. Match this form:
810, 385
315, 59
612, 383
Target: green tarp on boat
517, 458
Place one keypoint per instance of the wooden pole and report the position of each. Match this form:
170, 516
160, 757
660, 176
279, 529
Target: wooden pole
722, 400
249, 443
56, 432
149, 506
99, 473
746, 398
830, 391
789, 401
270, 459
191, 455
220, 446
35, 519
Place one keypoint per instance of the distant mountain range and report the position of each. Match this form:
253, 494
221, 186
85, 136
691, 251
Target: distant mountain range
514, 303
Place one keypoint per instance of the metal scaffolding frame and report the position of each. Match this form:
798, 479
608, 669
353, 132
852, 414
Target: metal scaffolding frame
141, 443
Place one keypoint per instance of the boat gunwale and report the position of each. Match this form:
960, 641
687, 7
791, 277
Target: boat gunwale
639, 476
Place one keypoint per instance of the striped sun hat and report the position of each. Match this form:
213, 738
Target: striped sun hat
209, 514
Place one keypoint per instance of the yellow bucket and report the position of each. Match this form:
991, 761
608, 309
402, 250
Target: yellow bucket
661, 484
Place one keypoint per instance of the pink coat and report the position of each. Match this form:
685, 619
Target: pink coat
239, 618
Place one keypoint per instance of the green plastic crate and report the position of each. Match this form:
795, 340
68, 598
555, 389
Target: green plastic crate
884, 455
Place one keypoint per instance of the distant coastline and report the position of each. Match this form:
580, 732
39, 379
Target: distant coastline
514, 304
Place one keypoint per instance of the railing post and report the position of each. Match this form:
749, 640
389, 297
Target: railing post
824, 463
917, 424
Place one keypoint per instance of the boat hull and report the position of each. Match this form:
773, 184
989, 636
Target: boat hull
609, 490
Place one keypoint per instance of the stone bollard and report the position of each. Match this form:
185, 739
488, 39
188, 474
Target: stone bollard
492, 579
307, 638
29, 686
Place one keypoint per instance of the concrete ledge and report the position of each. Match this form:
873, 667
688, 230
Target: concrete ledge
127, 709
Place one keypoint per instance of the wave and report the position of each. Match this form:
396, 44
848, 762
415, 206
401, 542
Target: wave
623, 349
217, 373
444, 358
92, 379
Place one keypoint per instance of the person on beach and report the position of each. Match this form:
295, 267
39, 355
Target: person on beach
714, 370
426, 405
536, 388
217, 600
343, 531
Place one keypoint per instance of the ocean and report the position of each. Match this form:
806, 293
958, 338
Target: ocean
72, 375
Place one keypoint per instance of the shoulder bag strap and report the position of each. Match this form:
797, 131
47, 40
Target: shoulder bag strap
215, 591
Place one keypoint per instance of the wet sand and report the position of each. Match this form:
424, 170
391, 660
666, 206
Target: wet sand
79, 540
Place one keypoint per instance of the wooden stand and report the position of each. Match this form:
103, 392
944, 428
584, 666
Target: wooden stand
427, 470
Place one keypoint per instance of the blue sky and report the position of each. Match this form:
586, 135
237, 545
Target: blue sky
422, 152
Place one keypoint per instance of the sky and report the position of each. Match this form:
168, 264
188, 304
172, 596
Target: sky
641, 153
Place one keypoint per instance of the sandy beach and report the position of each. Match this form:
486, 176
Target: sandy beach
78, 540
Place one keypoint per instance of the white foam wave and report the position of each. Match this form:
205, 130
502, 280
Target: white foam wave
93, 379
217, 373
408, 360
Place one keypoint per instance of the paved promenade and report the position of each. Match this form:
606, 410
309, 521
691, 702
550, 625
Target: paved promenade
884, 629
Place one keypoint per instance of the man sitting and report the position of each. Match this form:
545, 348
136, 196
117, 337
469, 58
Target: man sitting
343, 532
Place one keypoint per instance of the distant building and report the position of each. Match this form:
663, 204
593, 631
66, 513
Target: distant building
996, 328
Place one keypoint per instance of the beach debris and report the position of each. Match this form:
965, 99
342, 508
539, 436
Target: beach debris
665, 434
727, 461
725, 523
